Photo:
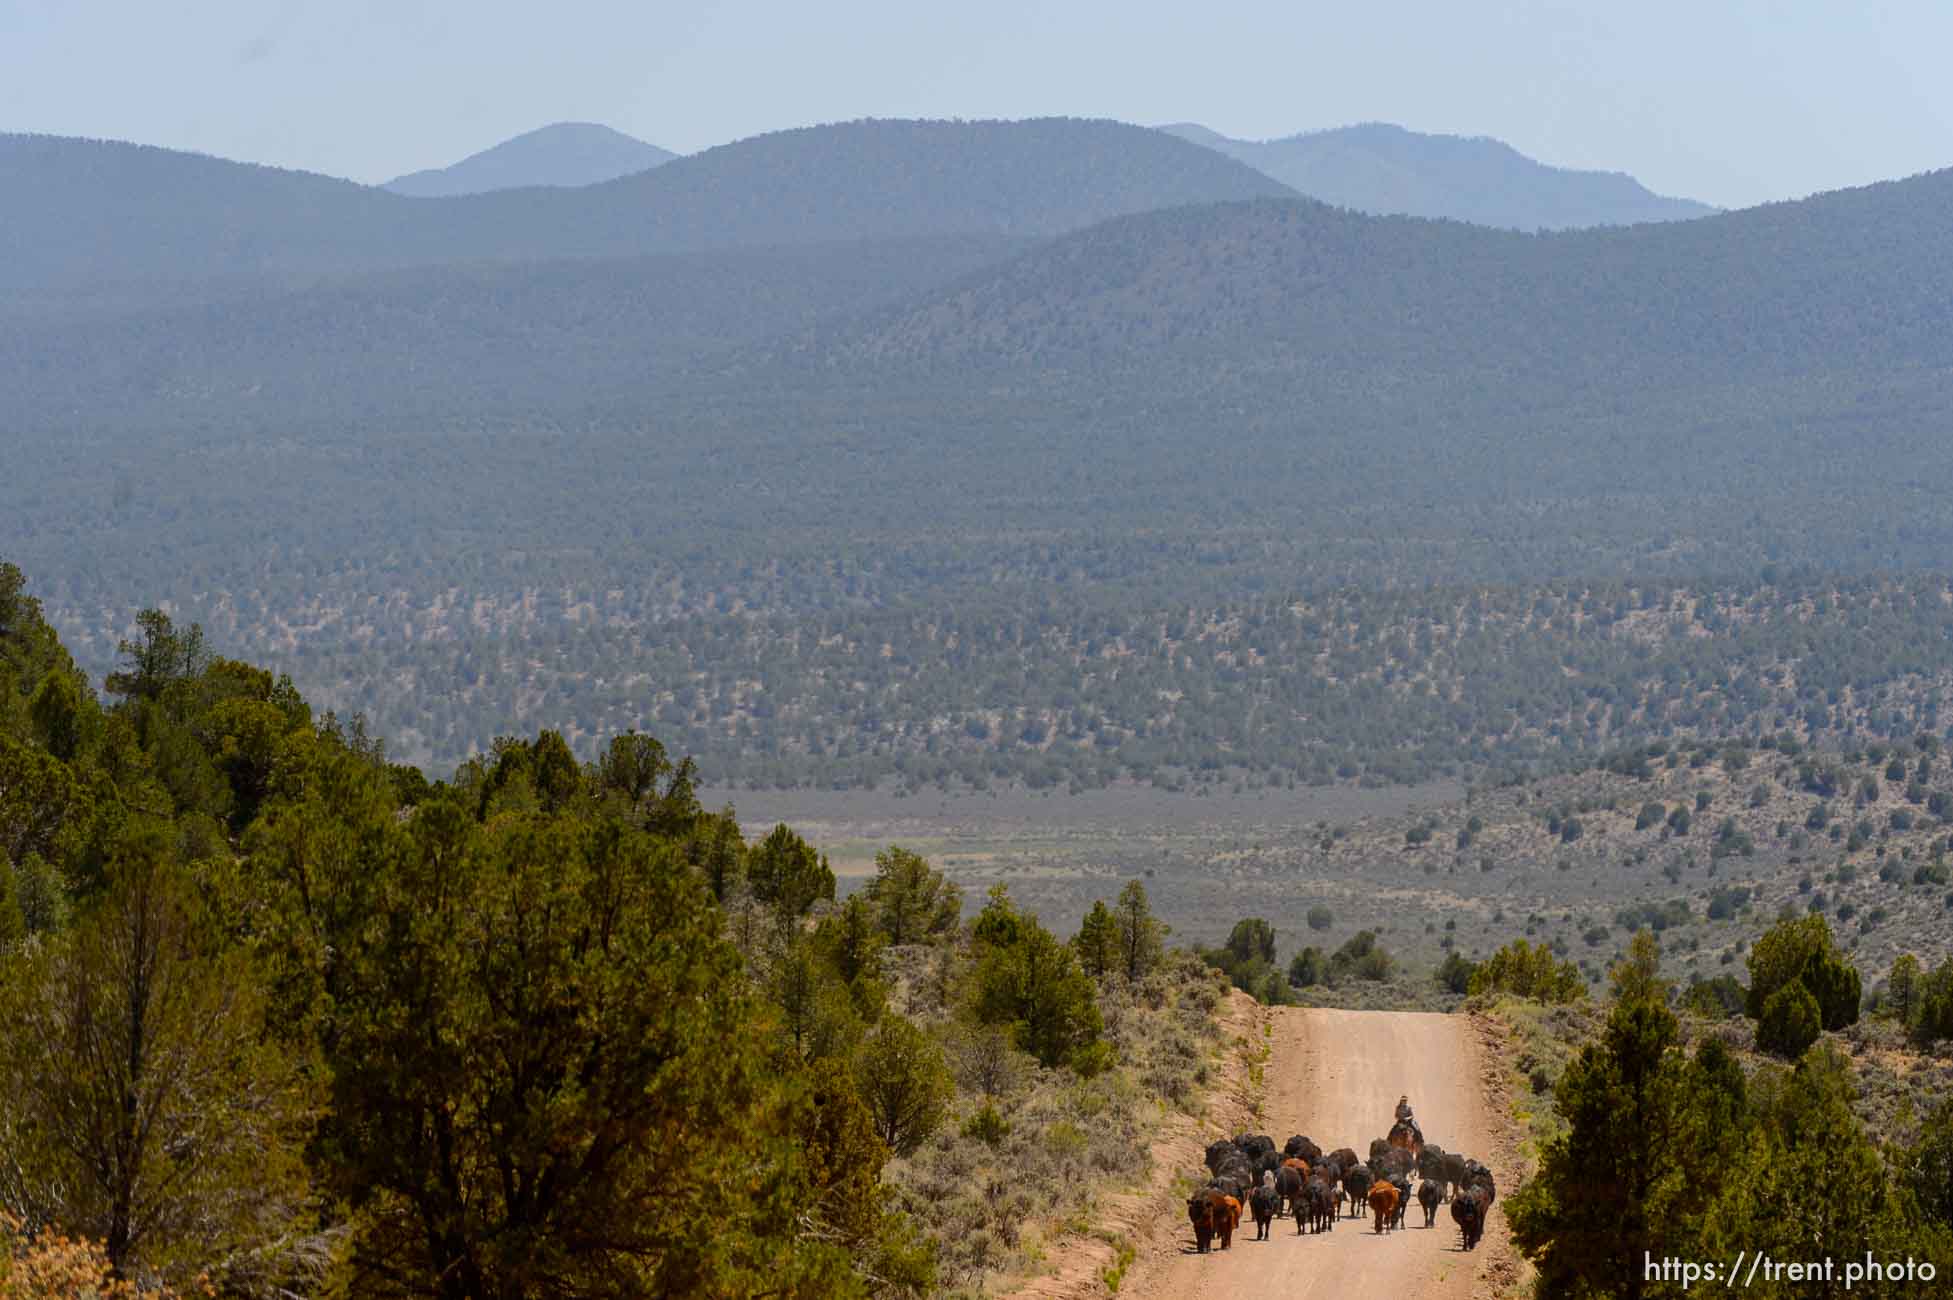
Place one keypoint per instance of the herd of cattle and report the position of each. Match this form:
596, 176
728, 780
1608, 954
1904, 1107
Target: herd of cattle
1314, 1186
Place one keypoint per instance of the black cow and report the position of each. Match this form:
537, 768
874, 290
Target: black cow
1206, 1211
1263, 1204
1468, 1212
1453, 1171
1253, 1144
1356, 1186
1430, 1194
1393, 1163
1233, 1182
1317, 1205
1288, 1182
1403, 1201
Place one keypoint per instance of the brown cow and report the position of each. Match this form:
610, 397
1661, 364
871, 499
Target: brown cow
1383, 1202
1200, 1212
1214, 1214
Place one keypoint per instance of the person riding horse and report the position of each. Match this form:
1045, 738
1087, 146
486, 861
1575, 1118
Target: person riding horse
1405, 1122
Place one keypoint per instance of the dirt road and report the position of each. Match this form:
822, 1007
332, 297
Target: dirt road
1336, 1076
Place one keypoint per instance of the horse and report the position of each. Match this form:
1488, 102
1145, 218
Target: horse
1406, 1135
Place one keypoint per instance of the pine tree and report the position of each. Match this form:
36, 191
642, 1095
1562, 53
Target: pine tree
1621, 1098
1902, 988
1097, 942
904, 1079
1142, 938
1802, 950
913, 901
144, 1107
1035, 984
787, 874
1811, 1184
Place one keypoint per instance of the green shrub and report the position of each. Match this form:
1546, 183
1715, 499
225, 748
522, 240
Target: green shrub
1790, 1022
1802, 952
1528, 971
987, 1126
1455, 974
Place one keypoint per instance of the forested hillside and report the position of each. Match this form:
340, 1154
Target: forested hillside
279, 1018
1155, 497
1333, 685
1854, 278
1379, 168
451, 346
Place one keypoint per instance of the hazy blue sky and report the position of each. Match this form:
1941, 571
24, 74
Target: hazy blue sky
1730, 101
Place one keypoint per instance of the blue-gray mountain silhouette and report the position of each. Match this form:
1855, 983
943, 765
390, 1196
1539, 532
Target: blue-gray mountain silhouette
90, 212
1389, 171
563, 154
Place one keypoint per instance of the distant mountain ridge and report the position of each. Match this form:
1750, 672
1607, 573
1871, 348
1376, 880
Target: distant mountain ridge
1387, 170
1857, 278
562, 155
83, 212
1263, 316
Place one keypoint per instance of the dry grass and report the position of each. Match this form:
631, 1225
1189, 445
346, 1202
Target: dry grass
995, 1205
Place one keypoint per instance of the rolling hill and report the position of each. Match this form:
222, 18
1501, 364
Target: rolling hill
97, 212
1858, 277
563, 154
1383, 169
1402, 342
819, 507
